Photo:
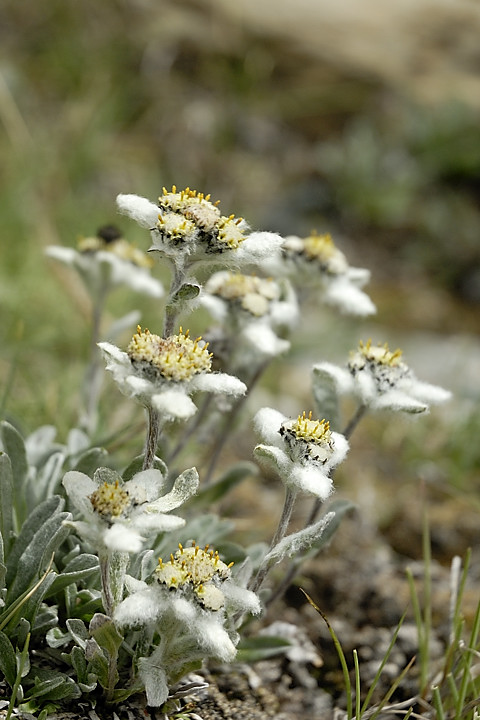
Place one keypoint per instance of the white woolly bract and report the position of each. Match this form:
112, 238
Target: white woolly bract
311, 480
122, 538
348, 298
240, 598
261, 336
218, 383
141, 608
215, 639
267, 423
299, 541
155, 680
144, 212
342, 379
184, 487
174, 405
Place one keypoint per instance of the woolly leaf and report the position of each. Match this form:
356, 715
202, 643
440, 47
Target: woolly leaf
6, 484
79, 568
8, 663
260, 648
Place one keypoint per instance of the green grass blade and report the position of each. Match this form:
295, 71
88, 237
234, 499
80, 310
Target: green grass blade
340, 653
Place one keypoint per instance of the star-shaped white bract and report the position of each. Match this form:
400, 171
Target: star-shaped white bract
381, 380
108, 265
187, 228
163, 372
120, 515
188, 603
315, 262
302, 451
252, 311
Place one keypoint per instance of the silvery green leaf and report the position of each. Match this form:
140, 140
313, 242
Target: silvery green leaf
97, 661
90, 460
22, 630
14, 446
187, 292
48, 537
79, 568
260, 647
105, 475
78, 631
325, 396
28, 607
105, 633
77, 441
45, 511
47, 480
58, 687
56, 638
8, 663
45, 619
6, 483
299, 541
184, 487
155, 681
234, 475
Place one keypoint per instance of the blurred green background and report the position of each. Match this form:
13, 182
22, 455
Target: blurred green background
296, 115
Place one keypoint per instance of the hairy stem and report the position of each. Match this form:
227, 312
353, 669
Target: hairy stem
315, 509
153, 433
172, 308
290, 496
107, 595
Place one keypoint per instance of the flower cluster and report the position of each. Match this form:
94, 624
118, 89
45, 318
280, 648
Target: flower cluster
120, 516
302, 450
107, 260
253, 313
381, 380
187, 228
197, 572
163, 372
316, 262
186, 605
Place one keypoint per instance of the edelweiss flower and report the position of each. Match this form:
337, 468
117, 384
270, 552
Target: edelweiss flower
108, 260
164, 372
303, 451
381, 380
188, 228
119, 516
187, 604
315, 261
250, 309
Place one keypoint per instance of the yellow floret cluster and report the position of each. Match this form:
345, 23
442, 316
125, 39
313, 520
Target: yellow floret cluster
196, 569
379, 354
187, 216
110, 500
319, 250
253, 293
176, 358
119, 247
315, 431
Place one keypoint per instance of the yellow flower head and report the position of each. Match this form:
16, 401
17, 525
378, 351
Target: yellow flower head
195, 568
110, 500
380, 354
308, 439
176, 358
196, 207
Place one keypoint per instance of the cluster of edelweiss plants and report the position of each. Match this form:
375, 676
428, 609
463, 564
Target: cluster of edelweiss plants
105, 593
